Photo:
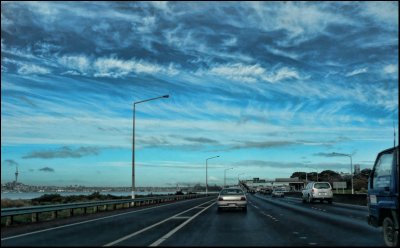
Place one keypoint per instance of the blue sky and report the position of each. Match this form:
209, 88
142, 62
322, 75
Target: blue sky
270, 87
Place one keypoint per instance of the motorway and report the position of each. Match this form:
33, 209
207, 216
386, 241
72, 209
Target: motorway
267, 222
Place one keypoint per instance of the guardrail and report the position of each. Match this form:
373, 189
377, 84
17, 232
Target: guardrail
35, 211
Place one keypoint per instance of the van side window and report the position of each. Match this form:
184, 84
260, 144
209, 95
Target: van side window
382, 172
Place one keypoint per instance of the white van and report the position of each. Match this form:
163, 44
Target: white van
317, 191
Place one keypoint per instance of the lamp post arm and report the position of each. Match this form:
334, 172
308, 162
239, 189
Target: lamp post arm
166, 96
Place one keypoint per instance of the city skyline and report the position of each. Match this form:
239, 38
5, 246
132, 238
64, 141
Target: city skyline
271, 87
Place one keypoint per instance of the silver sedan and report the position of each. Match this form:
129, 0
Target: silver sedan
232, 198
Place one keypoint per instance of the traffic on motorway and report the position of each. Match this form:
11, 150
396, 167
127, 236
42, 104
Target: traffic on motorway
268, 221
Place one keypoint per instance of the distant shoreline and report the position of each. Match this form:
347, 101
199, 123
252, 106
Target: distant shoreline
31, 195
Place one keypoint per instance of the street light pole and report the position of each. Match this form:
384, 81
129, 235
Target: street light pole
133, 141
207, 173
225, 176
351, 168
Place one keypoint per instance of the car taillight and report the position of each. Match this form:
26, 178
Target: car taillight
220, 199
312, 190
242, 198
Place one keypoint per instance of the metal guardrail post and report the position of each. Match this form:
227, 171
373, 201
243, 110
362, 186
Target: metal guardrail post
9, 220
54, 215
35, 217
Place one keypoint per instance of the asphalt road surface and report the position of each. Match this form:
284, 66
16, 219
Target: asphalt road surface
267, 222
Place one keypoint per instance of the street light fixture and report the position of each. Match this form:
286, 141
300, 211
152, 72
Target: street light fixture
225, 176
133, 140
207, 173
351, 167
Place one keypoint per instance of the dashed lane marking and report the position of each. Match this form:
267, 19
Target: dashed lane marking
92, 220
166, 236
156, 224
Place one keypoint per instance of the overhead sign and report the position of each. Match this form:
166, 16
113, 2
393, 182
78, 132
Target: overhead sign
339, 185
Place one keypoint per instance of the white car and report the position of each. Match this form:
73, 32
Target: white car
232, 198
317, 191
278, 193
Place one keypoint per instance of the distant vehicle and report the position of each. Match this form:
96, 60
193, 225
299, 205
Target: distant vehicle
230, 198
265, 191
317, 191
383, 195
278, 192
251, 191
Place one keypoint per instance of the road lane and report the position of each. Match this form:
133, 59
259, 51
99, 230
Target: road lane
274, 222
103, 230
267, 222
228, 228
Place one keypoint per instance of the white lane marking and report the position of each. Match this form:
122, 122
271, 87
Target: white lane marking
181, 217
166, 236
303, 237
295, 233
87, 221
255, 206
312, 243
154, 225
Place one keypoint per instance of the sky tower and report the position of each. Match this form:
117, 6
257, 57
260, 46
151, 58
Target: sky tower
16, 177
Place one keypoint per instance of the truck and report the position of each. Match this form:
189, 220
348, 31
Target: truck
383, 195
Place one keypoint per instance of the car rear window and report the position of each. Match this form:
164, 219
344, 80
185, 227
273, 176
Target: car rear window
322, 186
231, 192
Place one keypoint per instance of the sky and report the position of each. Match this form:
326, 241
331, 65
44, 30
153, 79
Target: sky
270, 87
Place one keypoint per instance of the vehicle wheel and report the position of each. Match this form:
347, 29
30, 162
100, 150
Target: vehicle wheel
330, 201
390, 235
219, 209
321, 201
310, 199
245, 209
303, 199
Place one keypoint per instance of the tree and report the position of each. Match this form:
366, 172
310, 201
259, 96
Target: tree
329, 176
301, 175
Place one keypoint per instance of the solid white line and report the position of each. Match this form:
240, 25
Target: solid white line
87, 221
154, 225
166, 236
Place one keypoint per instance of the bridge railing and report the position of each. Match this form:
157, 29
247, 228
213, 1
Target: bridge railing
95, 206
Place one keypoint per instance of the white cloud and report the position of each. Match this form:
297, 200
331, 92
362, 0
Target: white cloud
32, 69
302, 20
281, 74
111, 66
79, 63
252, 73
230, 42
239, 72
357, 71
74, 73
385, 12
389, 69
